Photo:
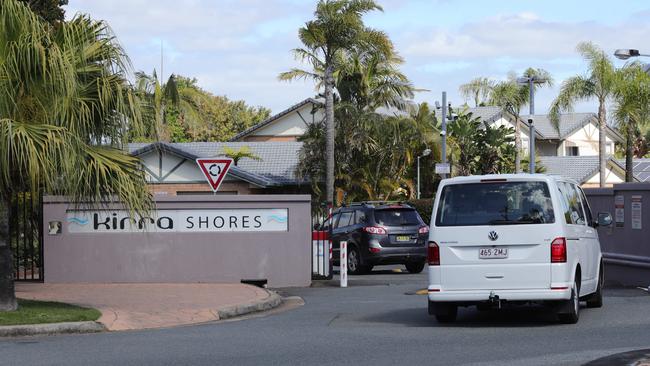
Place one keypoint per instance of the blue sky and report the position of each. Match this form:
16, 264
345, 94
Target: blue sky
238, 47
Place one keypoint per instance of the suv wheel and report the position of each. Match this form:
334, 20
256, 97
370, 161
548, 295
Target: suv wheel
415, 267
573, 305
354, 261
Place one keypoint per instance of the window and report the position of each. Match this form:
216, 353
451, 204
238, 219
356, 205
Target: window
345, 219
499, 203
585, 205
360, 217
572, 151
397, 217
574, 215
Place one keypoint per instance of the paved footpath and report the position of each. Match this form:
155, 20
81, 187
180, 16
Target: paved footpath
144, 306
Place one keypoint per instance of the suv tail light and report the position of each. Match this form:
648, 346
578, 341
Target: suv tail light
433, 254
375, 230
558, 250
423, 230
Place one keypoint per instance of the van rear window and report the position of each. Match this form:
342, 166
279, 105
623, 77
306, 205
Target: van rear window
502, 203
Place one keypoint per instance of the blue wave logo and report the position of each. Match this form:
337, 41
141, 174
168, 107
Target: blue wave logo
77, 220
276, 218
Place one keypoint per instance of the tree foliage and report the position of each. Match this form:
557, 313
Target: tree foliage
65, 109
49, 10
181, 111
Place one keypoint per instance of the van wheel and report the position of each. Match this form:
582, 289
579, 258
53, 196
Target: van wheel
572, 305
446, 313
596, 300
415, 267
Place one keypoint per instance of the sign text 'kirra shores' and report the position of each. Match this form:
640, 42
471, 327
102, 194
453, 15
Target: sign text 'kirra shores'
215, 220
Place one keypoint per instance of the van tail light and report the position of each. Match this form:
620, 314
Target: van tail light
558, 250
433, 254
423, 230
375, 230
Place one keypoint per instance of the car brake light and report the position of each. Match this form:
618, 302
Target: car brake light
433, 254
423, 230
558, 250
374, 230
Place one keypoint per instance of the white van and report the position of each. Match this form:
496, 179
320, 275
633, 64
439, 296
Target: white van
515, 238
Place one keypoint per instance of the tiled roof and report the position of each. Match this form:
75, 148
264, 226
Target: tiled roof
486, 114
569, 122
276, 167
578, 168
275, 117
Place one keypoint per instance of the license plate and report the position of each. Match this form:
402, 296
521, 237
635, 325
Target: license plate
403, 238
493, 253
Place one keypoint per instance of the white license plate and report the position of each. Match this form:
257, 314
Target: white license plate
492, 253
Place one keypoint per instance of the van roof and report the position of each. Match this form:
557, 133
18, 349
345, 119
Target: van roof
513, 177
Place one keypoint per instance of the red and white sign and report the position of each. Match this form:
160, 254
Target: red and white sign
214, 170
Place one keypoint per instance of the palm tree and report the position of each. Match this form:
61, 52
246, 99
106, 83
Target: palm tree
479, 89
237, 154
511, 96
632, 108
337, 28
598, 83
65, 110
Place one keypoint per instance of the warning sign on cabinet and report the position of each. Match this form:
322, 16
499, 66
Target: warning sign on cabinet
636, 212
619, 213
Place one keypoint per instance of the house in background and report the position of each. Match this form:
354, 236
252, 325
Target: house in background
287, 125
171, 168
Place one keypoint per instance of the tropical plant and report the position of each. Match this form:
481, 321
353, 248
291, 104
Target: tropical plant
632, 109
65, 111
478, 89
243, 152
336, 30
599, 83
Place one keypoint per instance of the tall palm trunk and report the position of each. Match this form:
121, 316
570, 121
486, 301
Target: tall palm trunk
7, 293
602, 153
329, 134
517, 146
629, 152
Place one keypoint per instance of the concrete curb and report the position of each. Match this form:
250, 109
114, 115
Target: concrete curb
50, 328
274, 300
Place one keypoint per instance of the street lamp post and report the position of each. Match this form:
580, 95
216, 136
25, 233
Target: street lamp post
531, 81
424, 153
627, 53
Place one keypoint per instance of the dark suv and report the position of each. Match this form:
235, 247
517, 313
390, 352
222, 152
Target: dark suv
380, 233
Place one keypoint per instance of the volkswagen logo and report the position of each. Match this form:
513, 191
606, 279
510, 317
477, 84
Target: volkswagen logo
493, 235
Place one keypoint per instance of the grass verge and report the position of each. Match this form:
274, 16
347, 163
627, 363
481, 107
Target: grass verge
39, 312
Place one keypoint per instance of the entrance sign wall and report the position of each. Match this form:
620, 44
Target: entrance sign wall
188, 239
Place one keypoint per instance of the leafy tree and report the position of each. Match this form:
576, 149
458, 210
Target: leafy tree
49, 10
65, 107
336, 30
479, 89
599, 83
632, 109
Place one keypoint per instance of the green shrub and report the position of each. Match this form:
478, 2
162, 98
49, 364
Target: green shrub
423, 207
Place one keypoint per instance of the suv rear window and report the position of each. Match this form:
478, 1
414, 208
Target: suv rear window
397, 217
502, 203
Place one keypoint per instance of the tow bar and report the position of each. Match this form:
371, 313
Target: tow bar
494, 300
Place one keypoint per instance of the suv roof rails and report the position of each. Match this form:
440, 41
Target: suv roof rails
377, 203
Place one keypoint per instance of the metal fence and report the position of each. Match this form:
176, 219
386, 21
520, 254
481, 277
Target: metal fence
26, 236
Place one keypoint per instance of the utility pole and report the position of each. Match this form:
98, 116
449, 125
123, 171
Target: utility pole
443, 133
531, 127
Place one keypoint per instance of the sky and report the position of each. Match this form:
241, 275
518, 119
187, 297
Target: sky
237, 48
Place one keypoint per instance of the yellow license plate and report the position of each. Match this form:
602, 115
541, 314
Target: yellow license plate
403, 238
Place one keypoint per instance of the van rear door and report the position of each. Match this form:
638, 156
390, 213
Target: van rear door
495, 235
